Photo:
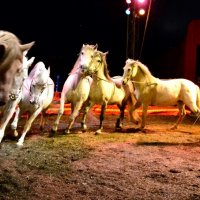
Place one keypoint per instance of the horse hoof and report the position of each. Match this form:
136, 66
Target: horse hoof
118, 129
13, 127
67, 132
84, 130
19, 144
51, 134
54, 128
15, 133
98, 132
173, 128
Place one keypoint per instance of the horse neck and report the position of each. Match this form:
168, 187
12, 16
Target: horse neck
71, 82
50, 84
27, 85
143, 78
102, 74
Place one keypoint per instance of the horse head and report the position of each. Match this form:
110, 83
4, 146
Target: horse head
19, 77
98, 61
39, 84
11, 61
130, 70
86, 55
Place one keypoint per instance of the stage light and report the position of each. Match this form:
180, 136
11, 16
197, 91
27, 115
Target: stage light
128, 11
141, 12
128, 1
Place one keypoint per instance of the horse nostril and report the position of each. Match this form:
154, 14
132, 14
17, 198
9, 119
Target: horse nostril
2, 103
31, 102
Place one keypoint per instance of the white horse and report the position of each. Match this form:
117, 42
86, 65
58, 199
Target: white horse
150, 90
76, 87
15, 94
104, 91
38, 92
11, 58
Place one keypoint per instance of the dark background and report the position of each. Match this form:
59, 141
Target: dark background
61, 27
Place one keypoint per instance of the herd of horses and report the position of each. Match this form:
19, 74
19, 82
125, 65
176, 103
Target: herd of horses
87, 84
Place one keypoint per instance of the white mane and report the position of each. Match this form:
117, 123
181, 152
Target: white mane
39, 66
142, 67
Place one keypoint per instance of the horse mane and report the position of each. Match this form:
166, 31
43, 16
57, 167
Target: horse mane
106, 71
38, 66
76, 65
9, 48
143, 68
7, 36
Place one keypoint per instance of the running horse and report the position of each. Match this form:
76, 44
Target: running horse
15, 94
76, 87
108, 91
37, 95
150, 90
11, 57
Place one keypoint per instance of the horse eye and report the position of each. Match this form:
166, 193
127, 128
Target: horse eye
19, 70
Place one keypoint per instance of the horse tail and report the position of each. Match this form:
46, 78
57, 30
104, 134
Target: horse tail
198, 97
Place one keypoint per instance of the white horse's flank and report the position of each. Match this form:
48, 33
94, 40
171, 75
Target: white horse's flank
38, 92
104, 91
15, 94
150, 90
76, 87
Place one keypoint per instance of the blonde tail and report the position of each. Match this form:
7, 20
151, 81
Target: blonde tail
198, 97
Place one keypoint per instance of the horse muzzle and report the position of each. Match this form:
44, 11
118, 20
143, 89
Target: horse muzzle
124, 82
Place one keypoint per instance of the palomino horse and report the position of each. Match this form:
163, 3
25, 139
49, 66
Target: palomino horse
15, 94
150, 90
38, 92
104, 91
11, 57
76, 87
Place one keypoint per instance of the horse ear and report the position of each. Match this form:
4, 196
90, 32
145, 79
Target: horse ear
48, 69
25, 52
105, 53
95, 46
30, 61
26, 47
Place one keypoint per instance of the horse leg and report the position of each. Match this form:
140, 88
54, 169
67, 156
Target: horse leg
182, 113
7, 115
60, 113
118, 124
15, 121
133, 114
27, 126
73, 116
144, 115
43, 119
85, 111
103, 109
